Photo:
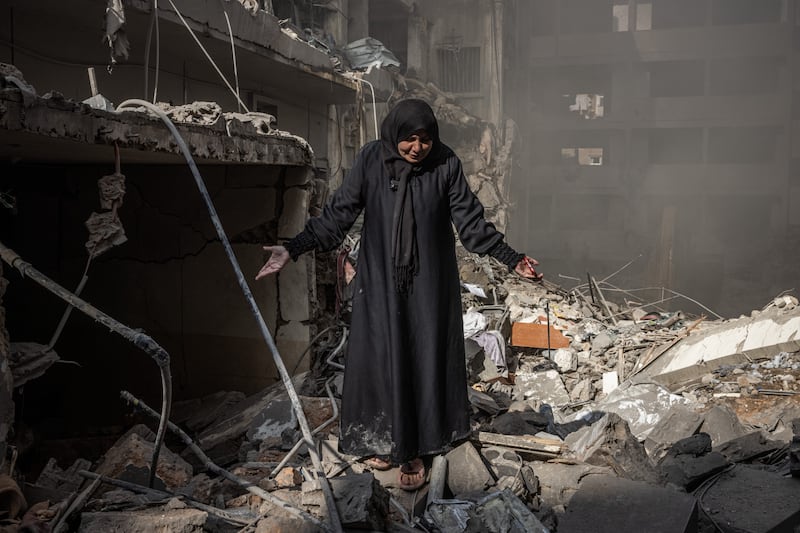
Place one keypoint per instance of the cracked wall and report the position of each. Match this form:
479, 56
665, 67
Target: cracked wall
171, 278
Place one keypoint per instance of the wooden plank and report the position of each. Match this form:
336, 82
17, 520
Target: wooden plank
535, 336
526, 443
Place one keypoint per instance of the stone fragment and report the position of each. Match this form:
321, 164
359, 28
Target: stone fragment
688, 471
288, 477
546, 387
722, 424
678, 423
361, 501
606, 504
466, 472
747, 447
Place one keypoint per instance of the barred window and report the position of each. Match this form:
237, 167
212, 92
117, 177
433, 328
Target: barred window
460, 69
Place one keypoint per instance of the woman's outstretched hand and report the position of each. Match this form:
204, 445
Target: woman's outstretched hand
527, 268
280, 256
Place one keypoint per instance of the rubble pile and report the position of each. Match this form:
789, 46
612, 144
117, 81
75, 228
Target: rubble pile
580, 424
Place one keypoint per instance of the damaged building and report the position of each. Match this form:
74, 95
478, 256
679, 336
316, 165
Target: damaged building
149, 149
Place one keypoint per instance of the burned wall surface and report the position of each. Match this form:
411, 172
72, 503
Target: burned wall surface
171, 278
6, 402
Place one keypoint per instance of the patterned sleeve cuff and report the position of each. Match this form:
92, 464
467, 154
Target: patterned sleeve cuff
506, 255
302, 243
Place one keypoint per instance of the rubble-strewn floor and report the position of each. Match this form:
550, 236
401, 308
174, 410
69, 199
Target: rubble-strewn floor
589, 416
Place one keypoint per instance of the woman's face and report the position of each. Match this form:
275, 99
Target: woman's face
415, 147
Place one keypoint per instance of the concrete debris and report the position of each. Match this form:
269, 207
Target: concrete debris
656, 411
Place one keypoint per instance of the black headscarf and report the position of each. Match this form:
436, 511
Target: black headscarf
406, 118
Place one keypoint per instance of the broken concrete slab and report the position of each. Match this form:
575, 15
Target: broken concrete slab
129, 460
749, 499
729, 342
678, 423
199, 413
606, 504
747, 447
466, 472
642, 406
722, 425
609, 442
147, 521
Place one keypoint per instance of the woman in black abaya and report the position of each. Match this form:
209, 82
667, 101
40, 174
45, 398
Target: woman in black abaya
405, 383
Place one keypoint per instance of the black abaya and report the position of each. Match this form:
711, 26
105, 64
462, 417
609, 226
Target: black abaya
405, 384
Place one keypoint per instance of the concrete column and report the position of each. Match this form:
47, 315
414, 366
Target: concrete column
495, 71
358, 23
418, 46
336, 23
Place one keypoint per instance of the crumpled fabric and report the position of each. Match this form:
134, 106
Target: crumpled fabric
474, 322
494, 346
105, 232
115, 30
112, 189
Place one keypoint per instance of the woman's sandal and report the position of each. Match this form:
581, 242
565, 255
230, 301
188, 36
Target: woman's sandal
377, 463
412, 474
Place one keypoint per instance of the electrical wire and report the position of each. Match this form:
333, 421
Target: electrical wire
158, 51
208, 56
233, 54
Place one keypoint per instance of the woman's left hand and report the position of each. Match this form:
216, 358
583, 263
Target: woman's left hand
526, 268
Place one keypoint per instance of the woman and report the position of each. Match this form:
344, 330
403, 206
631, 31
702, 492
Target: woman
405, 383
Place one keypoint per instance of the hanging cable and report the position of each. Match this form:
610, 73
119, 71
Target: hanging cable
158, 51
248, 294
233, 54
221, 75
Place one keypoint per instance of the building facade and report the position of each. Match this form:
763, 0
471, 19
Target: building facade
660, 132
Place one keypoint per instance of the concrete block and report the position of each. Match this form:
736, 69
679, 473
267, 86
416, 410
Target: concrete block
566, 359
294, 213
361, 501
293, 286
606, 504
722, 425
292, 340
610, 382
678, 423
748, 499
545, 386
466, 471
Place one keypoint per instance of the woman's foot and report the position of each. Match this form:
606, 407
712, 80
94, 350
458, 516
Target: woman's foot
412, 474
377, 463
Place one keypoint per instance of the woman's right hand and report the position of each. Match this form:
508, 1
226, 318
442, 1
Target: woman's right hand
277, 260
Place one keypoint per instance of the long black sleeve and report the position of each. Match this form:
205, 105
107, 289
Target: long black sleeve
476, 233
328, 230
